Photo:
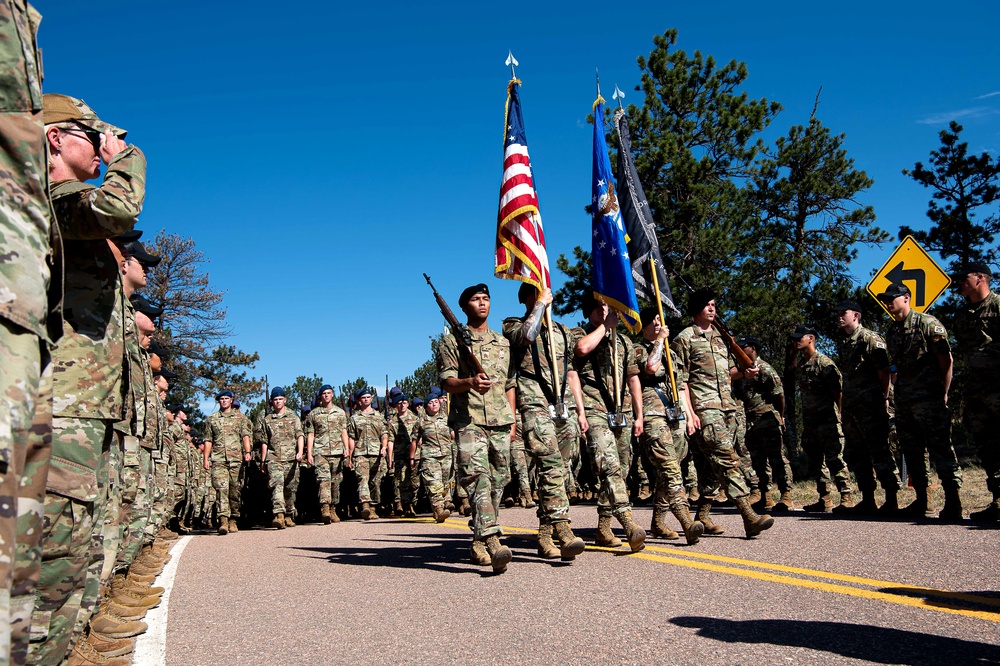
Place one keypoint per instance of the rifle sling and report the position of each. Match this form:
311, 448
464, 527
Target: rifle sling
598, 381
539, 377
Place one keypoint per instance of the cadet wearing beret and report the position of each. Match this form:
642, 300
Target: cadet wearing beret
326, 448
227, 448
282, 435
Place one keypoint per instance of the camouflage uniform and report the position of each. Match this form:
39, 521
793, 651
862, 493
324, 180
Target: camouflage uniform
163, 473
367, 429
923, 420
402, 432
87, 399
327, 424
822, 437
183, 454
535, 392
518, 462
866, 422
703, 359
436, 446
482, 425
657, 434
226, 430
977, 330
610, 449
282, 432
30, 322
765, 430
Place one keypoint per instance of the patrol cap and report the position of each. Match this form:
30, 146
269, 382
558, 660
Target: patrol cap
128, 236
277, 392
166, 374
472, 291
748, 341
137, 250
144, 306
803, 330
849, 304
325, 387
971, 267
158, 349
893, 291
63, 109
699, 299
224, 394
647, 315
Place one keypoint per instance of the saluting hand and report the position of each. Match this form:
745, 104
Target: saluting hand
111, 146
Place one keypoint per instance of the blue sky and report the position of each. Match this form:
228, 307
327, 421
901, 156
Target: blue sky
324, 156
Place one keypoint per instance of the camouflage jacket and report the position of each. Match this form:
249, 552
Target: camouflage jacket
862, 354
30, 261
281, 433
327, 425
703, 359
493, 352
402, 431
435, 436
977, 330
652, 404
226, 433
183, 453
913, 346
88, 362
533, 366
147, 404
760, 394
366, 429
820, 384
596, 370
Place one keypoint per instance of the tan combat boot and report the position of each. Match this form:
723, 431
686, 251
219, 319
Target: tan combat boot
85, 654
636, 535
441, 514
127, 582
754, 495
279, 521
920, 507
408, 511
233, 528
546, 549
224, 525
124, 612
324, 514
128, 597
366, 511
785, 502
693, 529
111, 647
570, 545
288, 520
823, 505
846, 503
526, 500
704, 517
114, 626
605, 537
500, 555
752, 523
479, 554
464, 507
334, 518
658, 526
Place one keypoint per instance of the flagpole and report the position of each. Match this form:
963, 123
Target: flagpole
659, 306
615, 366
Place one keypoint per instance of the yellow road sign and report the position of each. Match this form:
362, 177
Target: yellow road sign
911, 265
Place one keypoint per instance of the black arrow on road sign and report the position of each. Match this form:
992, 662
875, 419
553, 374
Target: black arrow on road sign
917, 275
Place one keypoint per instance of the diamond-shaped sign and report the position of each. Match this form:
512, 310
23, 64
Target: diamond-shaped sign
911, 265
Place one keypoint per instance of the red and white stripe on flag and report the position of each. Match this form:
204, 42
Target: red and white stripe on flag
521, 251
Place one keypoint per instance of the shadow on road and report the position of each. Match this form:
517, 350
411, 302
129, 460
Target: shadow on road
440, 553
987, 600
855, 641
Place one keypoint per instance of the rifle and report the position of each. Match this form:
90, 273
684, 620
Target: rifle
459, 330
387, 416
719, 324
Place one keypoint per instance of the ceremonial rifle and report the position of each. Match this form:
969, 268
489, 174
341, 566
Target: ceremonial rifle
719, 324
458, 329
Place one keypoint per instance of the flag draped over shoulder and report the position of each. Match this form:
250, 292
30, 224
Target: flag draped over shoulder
640, 231
520, 253
612, 269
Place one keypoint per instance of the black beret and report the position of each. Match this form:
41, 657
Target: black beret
472, 291
588, 304
699, 299
647, 315
224, 394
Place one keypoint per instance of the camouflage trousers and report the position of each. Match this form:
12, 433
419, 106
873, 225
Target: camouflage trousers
136, 505
329, 475
370, 470
227, 479
924, 427
824, 446
541, 441
657, 441
71, 530
163, 482
765, 440
716, 441
484, 470
25, 449
453, 482
283, 480
982, 415
568, 434
405, 481
109, 532
434, 473
866, 444
519, 462
607, 447
740, 444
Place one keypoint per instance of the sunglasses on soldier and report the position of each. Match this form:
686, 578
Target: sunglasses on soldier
92, 135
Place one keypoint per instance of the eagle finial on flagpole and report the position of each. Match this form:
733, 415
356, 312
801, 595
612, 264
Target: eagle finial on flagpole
512, 63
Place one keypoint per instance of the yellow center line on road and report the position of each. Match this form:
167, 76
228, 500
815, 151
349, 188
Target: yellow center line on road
937, 602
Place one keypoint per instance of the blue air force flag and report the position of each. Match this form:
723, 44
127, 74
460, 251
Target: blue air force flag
612, 267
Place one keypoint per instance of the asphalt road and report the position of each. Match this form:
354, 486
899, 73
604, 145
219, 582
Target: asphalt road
812, 590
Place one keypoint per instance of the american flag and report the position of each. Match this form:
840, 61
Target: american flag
520, 251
